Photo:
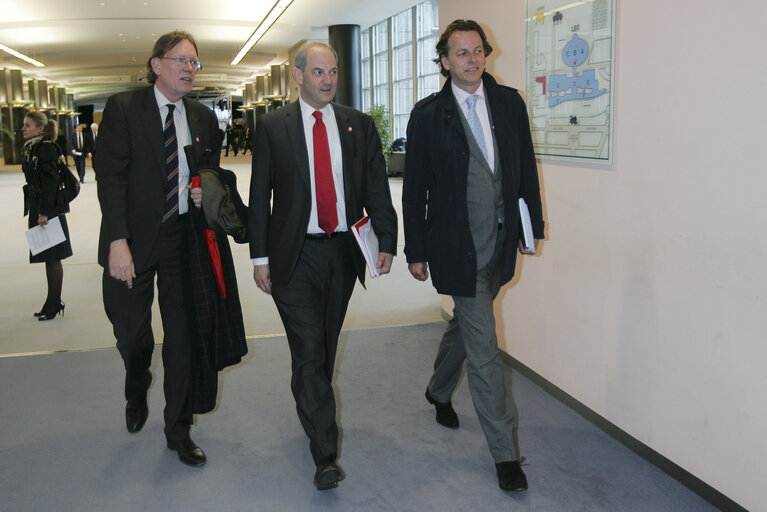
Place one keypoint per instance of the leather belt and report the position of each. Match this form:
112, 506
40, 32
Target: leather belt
324, 236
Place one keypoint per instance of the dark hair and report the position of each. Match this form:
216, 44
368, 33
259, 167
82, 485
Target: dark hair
40, 119
456, 26
300, 59
164, 44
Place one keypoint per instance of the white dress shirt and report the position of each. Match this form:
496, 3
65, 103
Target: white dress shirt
484, 119
183, 138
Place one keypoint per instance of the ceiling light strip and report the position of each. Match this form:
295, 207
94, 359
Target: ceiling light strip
272, 16
21, 56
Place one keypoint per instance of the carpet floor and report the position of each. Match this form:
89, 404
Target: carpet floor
64, 445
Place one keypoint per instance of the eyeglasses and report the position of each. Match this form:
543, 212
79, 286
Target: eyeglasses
196, 64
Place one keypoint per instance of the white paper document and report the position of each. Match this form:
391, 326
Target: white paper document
41, 238
368, 242
527, 227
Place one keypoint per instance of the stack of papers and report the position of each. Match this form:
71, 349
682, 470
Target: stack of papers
527, 227
41, 238
368, 242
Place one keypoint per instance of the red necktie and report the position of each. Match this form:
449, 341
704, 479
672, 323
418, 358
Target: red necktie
323, 177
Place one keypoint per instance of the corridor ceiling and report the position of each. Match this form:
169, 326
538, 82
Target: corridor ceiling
95, 48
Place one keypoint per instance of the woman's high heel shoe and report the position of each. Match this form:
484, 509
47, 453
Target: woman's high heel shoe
50, 315
42, 310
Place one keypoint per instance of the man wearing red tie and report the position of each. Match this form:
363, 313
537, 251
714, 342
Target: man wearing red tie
320, 164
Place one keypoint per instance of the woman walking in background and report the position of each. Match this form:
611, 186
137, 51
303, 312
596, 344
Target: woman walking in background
40, 166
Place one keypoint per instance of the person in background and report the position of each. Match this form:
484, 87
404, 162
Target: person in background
77, 150
61, 141
90, 141
469, 159
231, 141
247, 140
40, 166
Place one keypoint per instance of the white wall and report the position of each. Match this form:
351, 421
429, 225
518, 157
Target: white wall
647, 301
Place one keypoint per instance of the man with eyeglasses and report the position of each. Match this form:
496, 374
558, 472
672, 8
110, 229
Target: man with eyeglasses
142, 174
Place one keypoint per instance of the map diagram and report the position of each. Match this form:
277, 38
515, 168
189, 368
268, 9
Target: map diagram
569, 78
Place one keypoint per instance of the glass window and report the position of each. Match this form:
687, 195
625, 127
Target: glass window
397, 66
402, 28
402, 71
366, 69
380, 34
427, 31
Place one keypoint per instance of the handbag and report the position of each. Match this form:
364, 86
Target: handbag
68, 185
67, 181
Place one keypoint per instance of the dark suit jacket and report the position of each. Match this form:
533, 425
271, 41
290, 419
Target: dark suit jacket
281, 169
130, 168
73, 146
89, 144
434, 208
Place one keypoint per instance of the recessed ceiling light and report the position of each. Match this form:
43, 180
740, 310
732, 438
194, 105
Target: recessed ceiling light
21, 56
271, 17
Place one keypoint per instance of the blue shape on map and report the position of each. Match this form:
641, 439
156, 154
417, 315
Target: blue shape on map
578, 86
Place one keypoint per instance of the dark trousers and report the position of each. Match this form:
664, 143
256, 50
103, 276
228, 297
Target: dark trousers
80, 166
130, 311
312, 307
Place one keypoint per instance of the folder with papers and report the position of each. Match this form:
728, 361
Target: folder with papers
368, 243
527, 227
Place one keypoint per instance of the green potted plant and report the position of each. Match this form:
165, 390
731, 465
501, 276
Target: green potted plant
380, 115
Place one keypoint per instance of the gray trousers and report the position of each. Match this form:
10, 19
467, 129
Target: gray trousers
470, 336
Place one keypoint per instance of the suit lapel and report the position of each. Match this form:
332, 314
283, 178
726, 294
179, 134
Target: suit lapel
294, 126
502, 130
153, 126
450, 110
195, 126
346, 134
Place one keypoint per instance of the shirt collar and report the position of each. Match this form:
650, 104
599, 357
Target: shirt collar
163, 101
461, 95
307, 110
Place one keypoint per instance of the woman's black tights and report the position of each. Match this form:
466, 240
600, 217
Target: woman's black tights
54, 272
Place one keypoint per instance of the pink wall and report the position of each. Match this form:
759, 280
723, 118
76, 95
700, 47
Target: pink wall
647, 301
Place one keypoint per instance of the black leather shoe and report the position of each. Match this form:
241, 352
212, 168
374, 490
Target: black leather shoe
135, 416
446, 415
510, 476
51, 313
327, 476
188, 452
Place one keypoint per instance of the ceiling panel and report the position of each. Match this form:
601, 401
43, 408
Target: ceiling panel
90, 46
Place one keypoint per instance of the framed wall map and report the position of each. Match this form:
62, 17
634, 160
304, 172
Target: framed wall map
569, 86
